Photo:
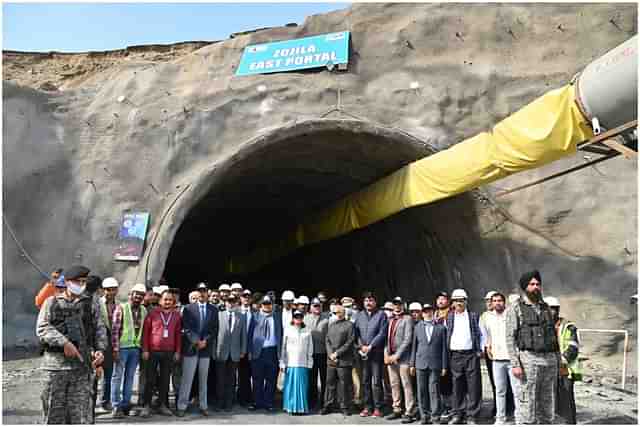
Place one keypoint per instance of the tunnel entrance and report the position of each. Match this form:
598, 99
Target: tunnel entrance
276, 181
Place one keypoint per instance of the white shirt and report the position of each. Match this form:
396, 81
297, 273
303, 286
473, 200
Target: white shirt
247, 312
428, 328
286, 317
231, 313
496, 325
461, 337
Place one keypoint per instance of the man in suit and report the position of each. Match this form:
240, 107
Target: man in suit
231, 347
464, 344
245, 394
265, 340
339, 346
200, 324
430, 360
397, 355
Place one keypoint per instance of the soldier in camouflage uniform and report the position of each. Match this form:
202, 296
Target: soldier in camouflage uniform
533, 349
68, 356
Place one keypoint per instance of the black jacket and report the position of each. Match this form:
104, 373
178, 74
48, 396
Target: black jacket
340, 339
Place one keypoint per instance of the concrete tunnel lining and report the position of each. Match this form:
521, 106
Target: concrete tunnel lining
359, 152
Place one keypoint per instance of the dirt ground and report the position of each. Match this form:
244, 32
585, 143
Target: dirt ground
597, 403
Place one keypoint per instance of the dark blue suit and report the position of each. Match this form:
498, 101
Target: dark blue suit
194, 331
264, 360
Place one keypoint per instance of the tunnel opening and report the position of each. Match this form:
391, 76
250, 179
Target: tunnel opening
265, 192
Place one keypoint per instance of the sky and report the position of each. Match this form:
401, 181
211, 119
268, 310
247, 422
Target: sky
78, 27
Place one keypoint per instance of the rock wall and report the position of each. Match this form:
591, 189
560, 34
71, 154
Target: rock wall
134, 135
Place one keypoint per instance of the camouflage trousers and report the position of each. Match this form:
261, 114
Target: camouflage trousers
537, 388
65, 397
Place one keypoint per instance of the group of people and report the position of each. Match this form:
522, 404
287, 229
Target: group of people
229, 345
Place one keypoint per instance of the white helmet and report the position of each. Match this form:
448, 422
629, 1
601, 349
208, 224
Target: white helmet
288, 296
235, 286
552, 301
162, 288
490, 294
388, 305
224, 287
459, 294
303, 300
110, 282
415, 306
139, 287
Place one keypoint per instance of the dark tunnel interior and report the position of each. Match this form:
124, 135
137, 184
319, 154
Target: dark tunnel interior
266, 194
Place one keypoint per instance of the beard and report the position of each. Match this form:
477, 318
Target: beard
534, 296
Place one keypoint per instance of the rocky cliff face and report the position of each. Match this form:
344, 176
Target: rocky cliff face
223, 162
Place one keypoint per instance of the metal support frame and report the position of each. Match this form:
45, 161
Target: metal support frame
600, 144
626, 345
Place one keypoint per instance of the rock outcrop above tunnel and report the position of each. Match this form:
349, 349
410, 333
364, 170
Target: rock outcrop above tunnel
136, 133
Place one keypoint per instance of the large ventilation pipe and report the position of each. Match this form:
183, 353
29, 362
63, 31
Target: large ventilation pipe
607, 89
547, 129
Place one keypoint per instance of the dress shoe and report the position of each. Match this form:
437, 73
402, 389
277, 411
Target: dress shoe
325, 411
408, 419
163, 410
393, 416
180, 413
425, 420
270, 410
252, 407
146, 412
117, 413
457, 419
204, 412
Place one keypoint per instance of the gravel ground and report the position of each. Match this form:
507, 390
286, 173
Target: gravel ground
22, 384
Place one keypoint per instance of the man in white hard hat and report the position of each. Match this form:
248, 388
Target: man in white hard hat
236, 289
128, 321
415, 309
303, 304
570, 367
288, 299
224, 290
108, 305
464, 342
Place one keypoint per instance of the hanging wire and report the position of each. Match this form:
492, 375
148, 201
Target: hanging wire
24, 252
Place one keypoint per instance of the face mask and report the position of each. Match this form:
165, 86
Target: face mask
75, 288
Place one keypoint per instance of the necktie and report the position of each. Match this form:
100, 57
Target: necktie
202, 316
267, 331
230, 319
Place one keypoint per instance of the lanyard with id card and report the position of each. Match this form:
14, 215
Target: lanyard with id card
165, 324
